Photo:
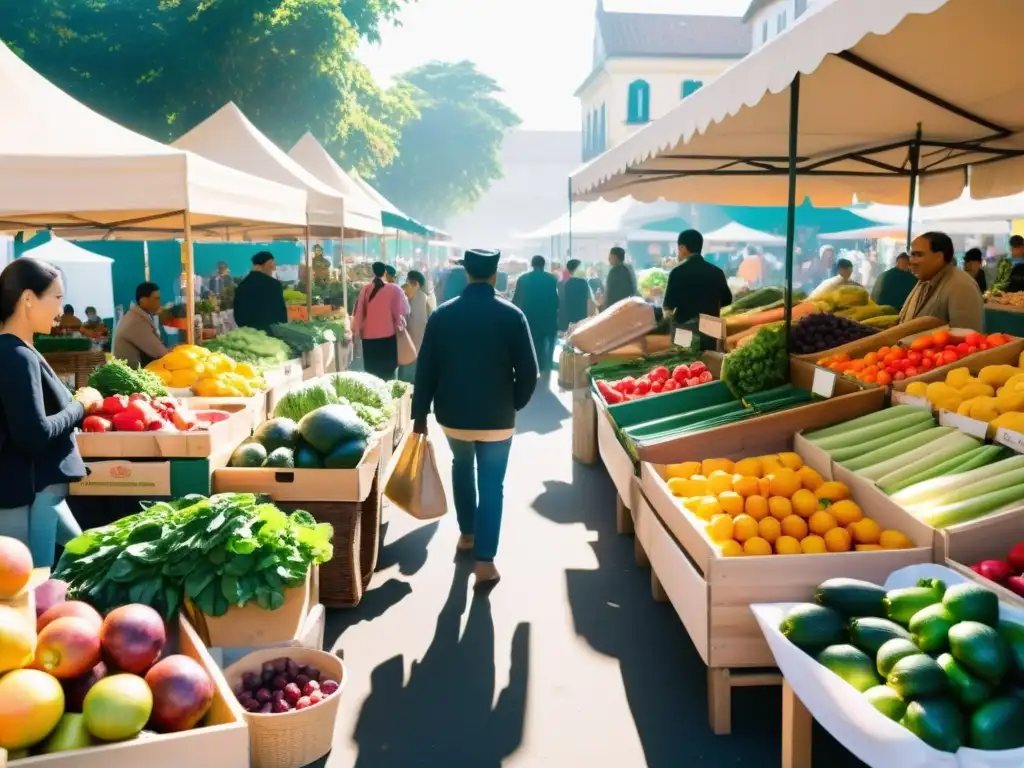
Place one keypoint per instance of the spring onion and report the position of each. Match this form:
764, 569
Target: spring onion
878, 417
931, 491
971, 509
840, 455
873, 431
897, 448
908, 464
979, 457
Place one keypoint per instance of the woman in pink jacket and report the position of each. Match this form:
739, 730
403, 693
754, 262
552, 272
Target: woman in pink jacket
379, 316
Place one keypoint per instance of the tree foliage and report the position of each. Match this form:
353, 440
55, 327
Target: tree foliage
162, 66
449, 156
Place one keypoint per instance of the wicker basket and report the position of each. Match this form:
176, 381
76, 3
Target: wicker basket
77, 364
369, 531
341, 580
584, 427
298, 738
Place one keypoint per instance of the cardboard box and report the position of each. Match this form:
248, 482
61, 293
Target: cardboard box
313, 363
310, 635
573, 364
150, 478
185, 445
280, 382
881, 339
257, 404
712, 594
1007, 354
223, 740
303, 484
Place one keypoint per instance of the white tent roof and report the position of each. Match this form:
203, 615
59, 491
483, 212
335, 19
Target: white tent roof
596, 218
61, 164
870, 73
228, 137
899, 232
362, 213
997, 209
737, 233
377, 197
86, 275
60, 251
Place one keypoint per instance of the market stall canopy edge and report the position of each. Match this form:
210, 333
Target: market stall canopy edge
64, 166
870, 72
392, 218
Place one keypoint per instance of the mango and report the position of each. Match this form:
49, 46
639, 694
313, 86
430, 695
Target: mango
15, 567
17, 640
31, 705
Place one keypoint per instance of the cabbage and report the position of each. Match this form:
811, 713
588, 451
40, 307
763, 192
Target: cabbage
310, 396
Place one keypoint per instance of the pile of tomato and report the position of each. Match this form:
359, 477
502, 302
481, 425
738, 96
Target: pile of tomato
896, 363
654, 382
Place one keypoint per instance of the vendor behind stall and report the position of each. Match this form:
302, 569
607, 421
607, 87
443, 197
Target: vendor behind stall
259, 298
894, 285
136, 340
942, 290
68, 322
94, 327
695, 287
974, 266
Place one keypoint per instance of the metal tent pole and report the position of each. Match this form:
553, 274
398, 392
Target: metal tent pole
794, 133
915, 167
570, 220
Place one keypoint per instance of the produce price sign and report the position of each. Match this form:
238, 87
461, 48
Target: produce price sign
1011, 439
712, 326
824, 383
965, 424
683, 338
902, 398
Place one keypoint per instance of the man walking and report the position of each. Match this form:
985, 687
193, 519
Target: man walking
259, 298
695, 286
621, 283
537, 296
476, 367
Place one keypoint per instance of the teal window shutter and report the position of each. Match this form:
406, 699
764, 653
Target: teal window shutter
639, 107
588, 139
691, 86
602, 131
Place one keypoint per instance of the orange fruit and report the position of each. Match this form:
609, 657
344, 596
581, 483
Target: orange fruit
795, 527
846, 512
712, 465
770, 529
692, 503
791, 460
865, 531
746, 486
756, 507
719, 481
809, 478
749, 468
757, 546
744, 527
732, 548
784, 482
813, 545
720, 528
821, 522
895, 540
838, 540
805, 503
787, 545
832, 491
707, 508
779, 507
731, 503
764, 487
684, 470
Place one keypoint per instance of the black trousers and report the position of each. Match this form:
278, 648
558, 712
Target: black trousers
380, 357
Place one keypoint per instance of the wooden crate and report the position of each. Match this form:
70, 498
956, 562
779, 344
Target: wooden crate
584, 427
712, 594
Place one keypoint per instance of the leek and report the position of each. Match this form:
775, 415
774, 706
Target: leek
839, 455
870, 432
897, 448
932, 490
979, 457
919, 459
879, 417
974, 490
971, 509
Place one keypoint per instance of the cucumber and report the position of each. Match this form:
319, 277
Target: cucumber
917, 677
851, 664
870, 634
966, 688
981, 650
887, 701
972, 602
937, 722
852, 597
929, 628
813, 627
998, 725
901, 604
891, 652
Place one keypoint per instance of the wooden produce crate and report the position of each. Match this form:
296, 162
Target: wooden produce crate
712, 594
881, 339
1006, 354
222, 740
574, 364
584, 427
75, 368
985, 539
219, 437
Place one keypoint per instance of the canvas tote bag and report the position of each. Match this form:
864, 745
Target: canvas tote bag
414, 484
407, 351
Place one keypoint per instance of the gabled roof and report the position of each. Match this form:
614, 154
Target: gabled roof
754, 7
671, 35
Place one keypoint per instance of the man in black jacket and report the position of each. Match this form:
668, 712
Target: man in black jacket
695, 286
259, 298
477, 367
621, 282
536, 295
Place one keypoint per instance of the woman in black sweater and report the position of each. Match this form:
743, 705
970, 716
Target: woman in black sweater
38, 415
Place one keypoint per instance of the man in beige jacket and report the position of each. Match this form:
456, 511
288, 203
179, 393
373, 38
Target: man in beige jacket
942, 290
136, 340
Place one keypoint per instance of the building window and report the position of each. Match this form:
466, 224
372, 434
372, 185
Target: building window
800, 9
691, 86
764, 32
639, 108
586, 137
602, 131
781, 23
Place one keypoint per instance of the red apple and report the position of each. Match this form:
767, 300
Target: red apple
133, 637
182, 693
1016, 558
1015, 584
75, 608
68, 647
995, 570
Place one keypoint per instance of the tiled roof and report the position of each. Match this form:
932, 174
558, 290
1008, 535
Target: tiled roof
655, 34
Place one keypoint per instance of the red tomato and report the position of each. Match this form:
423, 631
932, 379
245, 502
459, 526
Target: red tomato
681, 373
697, 368
983, 345
693, 381
940, 338
922, 343
670, 385
643, 387
974, 339
659, 374
657, 387
949, 357
884, 378
927, 364
963, 348
899, 376
910, 372
914, 357
971, 350
997, 340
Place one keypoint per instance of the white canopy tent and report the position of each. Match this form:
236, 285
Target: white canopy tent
899, 231
591, 219
966, 209
86, 275
732, 233
362, 213
876, 106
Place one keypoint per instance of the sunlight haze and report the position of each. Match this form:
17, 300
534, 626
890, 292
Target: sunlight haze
539, 51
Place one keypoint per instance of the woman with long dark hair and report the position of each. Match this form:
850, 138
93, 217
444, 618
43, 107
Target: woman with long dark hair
38, 415
380, 314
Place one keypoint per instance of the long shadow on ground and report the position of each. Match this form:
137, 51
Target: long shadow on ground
663, 675
444, 714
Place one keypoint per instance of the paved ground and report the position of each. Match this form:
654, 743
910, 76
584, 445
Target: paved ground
569, 663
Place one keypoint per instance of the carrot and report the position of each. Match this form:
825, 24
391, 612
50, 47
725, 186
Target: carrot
748, 320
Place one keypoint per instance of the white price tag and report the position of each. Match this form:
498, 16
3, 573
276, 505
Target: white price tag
683, 338
1011, 439
712, 326
824, 384
965, 424
902, 398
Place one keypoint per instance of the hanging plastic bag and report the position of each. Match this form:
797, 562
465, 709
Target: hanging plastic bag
413, 483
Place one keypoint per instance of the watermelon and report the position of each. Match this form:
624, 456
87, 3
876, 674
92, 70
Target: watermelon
249, 454
281, 458
307, 458
277, 433
327, 428
347, 455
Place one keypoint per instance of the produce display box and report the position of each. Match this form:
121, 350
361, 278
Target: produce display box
152, 479
712, 593
303, 484
280, 382
584, 427
224, 739
257, 404
881, 339
310, 635
987, 539
1006, 354
573, 365
652, 404
166, 445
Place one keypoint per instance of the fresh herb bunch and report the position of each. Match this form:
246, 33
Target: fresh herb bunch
760, 365
226, 550
118, 378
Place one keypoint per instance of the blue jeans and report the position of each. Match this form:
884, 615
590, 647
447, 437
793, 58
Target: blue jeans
43, 524
480, 466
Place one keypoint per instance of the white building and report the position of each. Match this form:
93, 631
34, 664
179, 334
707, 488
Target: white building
767, 19
644, 64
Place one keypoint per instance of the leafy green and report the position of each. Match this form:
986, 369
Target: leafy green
118, 378
227, 550
373, 417
361, 387
760, 365
398, 388
247, 345
314, 394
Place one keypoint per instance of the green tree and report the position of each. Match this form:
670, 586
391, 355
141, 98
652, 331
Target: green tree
162, 66
449, 156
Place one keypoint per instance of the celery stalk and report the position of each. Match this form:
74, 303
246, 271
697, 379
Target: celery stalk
979, 457
928, 455
872, 431
932, 490
973, 490
840, 455
879, 417
897, 448
971, 509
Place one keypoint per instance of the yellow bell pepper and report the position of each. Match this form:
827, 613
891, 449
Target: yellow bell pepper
984, 409
1012, 421
180, 360
183, 379
958, 377
976, 389
997, 375
938, 390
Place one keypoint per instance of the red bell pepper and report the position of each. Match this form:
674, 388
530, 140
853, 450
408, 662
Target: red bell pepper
126, 421
96, 423
114, 404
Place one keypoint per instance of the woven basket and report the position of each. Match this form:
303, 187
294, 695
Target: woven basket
291, 739
79, 364
341, 580
369, 531
584, 427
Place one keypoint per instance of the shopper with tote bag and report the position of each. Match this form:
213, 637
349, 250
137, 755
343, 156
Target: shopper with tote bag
379, 320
